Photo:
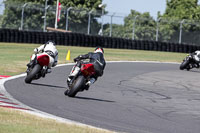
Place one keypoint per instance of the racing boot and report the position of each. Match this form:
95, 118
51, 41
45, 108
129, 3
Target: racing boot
196, 65
66, 92
48, 70
89, 83
73, 74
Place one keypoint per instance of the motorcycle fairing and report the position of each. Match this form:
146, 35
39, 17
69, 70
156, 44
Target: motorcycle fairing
87, 69
43, 59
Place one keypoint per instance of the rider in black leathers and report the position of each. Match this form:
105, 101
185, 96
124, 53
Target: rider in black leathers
96, 58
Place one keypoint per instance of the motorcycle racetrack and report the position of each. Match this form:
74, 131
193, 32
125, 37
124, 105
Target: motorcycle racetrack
134, 97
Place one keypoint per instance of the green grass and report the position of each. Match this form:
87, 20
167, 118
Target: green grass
12, 121
14, 57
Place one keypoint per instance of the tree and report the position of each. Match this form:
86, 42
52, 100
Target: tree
142, 24
118, 30
181, 9
144, 27
78, 18
186, 12
1, 18
34, 12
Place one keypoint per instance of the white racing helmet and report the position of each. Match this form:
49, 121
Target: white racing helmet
99, 49
50, 42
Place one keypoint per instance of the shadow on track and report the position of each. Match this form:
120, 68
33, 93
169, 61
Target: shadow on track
94, 99
48, 85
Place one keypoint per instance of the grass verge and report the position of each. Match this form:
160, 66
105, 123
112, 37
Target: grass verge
14, 57
13, 121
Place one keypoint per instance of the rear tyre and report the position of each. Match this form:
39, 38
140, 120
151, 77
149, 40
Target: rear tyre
32, 73
184, 65
78, 84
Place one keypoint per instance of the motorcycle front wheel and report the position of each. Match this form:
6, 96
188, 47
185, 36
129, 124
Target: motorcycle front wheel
76, 86
32, 73
184, 64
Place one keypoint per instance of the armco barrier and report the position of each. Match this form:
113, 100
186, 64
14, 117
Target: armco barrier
78, 39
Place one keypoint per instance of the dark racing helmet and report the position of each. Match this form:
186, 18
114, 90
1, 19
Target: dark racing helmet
99, 49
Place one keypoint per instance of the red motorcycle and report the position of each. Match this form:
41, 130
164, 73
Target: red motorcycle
38, 67
78, 83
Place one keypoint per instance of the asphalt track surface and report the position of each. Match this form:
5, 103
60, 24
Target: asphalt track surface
133, 97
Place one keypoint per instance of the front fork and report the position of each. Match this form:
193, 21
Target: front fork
44, 71
72, 75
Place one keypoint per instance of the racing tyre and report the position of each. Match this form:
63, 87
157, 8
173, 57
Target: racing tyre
77, 85
32, 73
184, 64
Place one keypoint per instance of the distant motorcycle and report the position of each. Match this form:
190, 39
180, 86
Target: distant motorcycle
37, 68
78, 83
189, 63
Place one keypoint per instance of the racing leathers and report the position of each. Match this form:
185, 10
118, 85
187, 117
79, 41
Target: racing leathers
97, 59
51, 51
197, 56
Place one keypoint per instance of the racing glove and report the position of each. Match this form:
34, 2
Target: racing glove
77, 59
35, 50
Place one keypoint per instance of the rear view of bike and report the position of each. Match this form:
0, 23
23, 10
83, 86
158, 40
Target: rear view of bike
37, 68
78, 83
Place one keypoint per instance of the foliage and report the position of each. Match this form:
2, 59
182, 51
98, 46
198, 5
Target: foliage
181, 12
144, 27
78, 18
1, 18
34, 14
168, 24
142, 24
182, 9
117, 30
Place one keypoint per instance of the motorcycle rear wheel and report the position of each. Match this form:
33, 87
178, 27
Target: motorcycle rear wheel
32, 73
77, 85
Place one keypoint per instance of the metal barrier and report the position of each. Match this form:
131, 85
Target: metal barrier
78, 39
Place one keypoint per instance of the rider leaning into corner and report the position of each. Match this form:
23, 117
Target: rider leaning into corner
96, 58
50, 49
197, 56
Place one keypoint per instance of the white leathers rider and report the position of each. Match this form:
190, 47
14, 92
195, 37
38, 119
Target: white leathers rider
197, 56
49, 49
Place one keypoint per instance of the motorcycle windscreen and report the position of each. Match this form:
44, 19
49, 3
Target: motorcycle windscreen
43, 60
87, 69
